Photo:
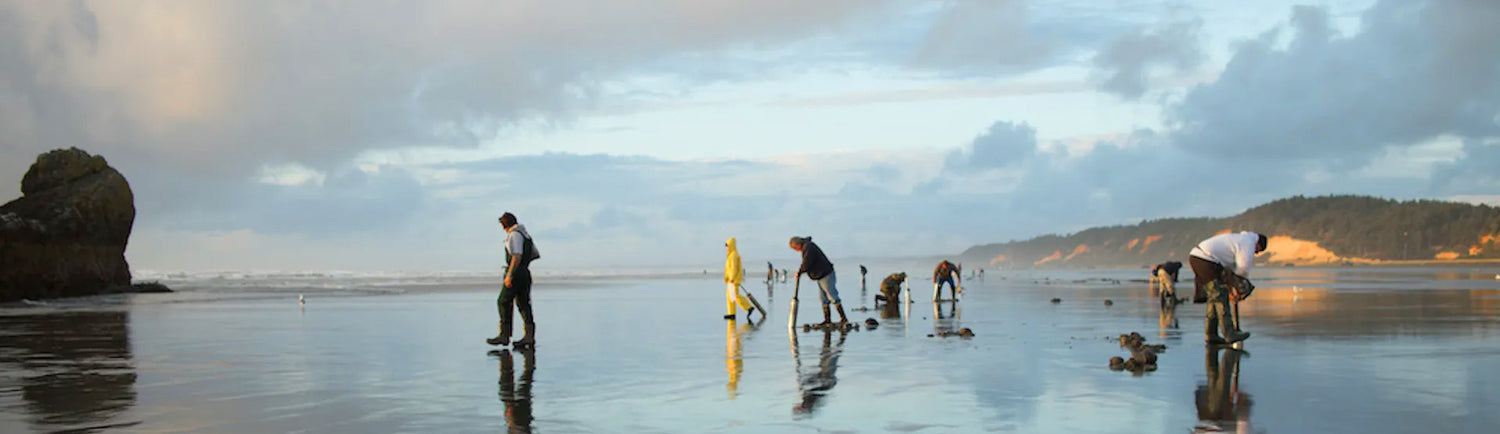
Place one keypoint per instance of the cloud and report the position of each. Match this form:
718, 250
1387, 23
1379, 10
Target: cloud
1125, 65
1414, 71
1003, 145
219, 88
347, 202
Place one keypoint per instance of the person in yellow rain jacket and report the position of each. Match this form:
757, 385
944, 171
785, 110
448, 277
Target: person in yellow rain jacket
734, 275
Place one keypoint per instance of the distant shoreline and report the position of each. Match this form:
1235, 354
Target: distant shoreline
1388, 262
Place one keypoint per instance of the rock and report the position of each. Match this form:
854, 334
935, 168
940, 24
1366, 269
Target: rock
1056, 300
1116, 363
66, 235
139, 288
1142, 355
1108, 302
871, 323
962, 333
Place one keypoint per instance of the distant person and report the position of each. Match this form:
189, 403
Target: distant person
1221, 264
945, 272
1165, 276
770, 272
817, 267
890, 288
862, 272
520, 250
733, 277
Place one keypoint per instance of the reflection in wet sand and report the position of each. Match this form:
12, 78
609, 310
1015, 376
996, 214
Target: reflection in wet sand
946, 322
78, 366
1327, 312
817, 385
734, 361
1222, 405
517, 395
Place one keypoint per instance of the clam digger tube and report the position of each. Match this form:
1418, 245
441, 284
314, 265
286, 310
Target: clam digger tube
791, 317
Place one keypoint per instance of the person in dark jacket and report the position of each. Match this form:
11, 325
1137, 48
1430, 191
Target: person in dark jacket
817, 268
945, 272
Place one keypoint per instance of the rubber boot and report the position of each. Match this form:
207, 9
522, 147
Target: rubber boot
827, 317
1230, 334
530, 339
1211, 330
500, 338
840, 308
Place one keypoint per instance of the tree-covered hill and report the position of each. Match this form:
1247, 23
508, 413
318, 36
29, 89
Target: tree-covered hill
1350, 228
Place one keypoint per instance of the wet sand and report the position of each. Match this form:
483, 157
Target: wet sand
1352, 349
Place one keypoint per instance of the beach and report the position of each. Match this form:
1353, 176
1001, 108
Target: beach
1337, 349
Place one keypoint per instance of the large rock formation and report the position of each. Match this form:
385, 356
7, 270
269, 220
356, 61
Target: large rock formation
66, 235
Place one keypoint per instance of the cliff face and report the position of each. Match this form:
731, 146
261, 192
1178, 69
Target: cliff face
66, 235
1317, 230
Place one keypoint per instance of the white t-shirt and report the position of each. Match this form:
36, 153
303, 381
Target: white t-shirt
1235, 252
515, 243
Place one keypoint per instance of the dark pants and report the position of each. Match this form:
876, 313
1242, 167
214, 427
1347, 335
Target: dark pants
1208, 280
938, 288
519, 295
1204, 272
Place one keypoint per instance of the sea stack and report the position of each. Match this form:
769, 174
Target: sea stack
66, 235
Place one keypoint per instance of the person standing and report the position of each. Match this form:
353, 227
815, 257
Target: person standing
862, 272
1221, 264
734, 275
520, 250
945, 273
817, 267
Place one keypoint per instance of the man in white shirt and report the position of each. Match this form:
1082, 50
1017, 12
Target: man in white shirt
1220, 263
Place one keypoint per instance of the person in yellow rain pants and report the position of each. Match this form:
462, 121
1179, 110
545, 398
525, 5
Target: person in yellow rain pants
734, 275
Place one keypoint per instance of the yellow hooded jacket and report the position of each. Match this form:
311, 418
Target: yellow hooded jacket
733, 272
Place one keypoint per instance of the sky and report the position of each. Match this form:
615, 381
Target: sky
389, 136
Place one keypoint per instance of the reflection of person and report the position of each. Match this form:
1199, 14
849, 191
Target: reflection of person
1167, 318
517, 395
1222, 406
1164, 277
817, 267
1220, 264
945, 272
734, 275
734, 364
816, 386
519, 252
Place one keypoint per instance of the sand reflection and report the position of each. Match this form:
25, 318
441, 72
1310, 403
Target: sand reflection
75, 369
1222, 405
516, 395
